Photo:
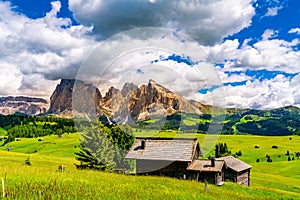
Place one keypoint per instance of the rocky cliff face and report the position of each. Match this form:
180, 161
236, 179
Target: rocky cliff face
24, 105
139, 103
130, 104
74, 96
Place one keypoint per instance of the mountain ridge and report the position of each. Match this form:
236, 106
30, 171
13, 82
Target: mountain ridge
130, 104
133, 104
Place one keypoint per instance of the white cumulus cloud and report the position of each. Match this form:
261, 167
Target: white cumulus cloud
206, 21
268, 94
269, 53
273, 11
35, 53
295, 30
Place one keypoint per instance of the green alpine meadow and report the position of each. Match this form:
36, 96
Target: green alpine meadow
45, 167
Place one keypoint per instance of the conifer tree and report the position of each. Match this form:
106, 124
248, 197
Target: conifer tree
96, 151
217, 151
104, 147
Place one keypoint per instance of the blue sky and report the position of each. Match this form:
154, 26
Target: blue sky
254, 44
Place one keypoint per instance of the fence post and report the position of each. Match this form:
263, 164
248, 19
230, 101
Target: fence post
3, 188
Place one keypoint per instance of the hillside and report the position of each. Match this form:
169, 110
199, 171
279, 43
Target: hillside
280, 121
48, 183
276, 180
277, 122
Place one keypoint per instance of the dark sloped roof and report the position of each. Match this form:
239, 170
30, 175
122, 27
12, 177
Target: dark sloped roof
205, 166
170, 149
234, 163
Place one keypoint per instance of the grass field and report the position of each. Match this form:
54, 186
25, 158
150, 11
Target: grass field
277, 180
3, 132
51, 145
42, 180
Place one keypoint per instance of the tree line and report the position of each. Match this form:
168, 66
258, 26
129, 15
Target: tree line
33, 126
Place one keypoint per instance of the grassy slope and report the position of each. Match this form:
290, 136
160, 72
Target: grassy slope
51, 145
41, 180
279, 177
3, 132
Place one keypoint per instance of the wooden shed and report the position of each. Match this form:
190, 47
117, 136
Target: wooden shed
164, 156
236, 170
210, 171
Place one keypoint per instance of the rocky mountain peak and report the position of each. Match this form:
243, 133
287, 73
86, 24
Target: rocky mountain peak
85, 95
111, 93
61, 98
128, 88
131, 104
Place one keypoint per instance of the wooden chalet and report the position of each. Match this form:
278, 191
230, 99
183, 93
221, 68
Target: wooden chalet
236, 170
164, 156
178, 157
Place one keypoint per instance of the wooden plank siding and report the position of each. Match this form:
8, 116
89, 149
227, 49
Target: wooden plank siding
162, 168
211, 177
243, 178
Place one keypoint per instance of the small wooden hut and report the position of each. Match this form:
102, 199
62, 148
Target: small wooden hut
164, 156
236, 170
210, 171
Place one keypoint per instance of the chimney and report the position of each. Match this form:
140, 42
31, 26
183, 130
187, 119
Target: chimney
143, 144
213, 162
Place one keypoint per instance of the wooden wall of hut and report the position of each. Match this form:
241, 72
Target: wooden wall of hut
162, 168
243, 178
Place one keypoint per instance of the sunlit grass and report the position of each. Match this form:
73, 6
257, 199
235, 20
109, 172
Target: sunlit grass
3, 132
42, 180
64, 146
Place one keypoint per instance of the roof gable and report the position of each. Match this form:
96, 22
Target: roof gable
235, 164
169, 149
205, 166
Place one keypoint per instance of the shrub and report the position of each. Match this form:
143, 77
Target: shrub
257, 160
289, 158
287, 153
239, 153
27, 161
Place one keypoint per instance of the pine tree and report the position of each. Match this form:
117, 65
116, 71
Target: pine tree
96, 151
221, 148
217, 151
225, 148
104, 147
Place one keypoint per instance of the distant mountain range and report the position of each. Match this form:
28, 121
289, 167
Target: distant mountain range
25, 105
134, 104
